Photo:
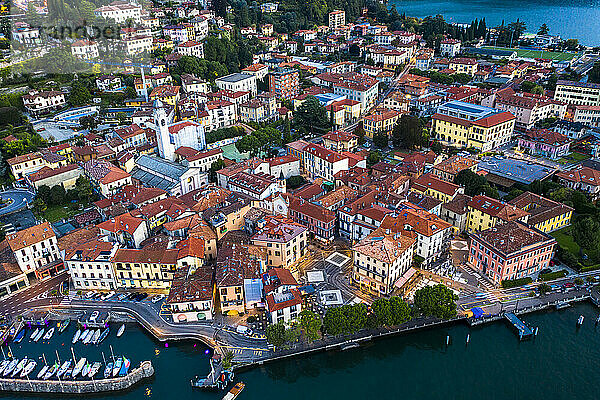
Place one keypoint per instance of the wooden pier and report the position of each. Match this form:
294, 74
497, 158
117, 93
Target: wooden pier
523, 330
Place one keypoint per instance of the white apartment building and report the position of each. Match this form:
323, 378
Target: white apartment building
138, 44
450, 47
85, 49
39, 102
90, 267
337, 18
120, 11
36, 250
238, 82
191, 48
320, 162
578, 93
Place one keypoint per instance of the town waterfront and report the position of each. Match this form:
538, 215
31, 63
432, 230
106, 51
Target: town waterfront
576, 19
558, 364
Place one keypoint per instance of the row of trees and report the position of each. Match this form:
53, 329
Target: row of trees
259, 141
307, 328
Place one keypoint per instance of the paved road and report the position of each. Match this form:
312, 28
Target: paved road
19, 198
33, 296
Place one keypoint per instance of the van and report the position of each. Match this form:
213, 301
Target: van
244, 330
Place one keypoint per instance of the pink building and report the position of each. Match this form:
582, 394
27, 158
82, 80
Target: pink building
545, 143
510, 251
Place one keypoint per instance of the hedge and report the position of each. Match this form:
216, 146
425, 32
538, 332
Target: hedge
507, 284
588, 268
550, 276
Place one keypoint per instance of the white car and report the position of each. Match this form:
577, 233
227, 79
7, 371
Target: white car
91, 294
94, 316
158, 298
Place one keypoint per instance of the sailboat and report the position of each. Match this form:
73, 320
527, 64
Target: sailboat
42, 372
49, 334
19, 366
63, 368
121, 330
88, 336
28, 368
85, 370
39, 335
19, 337
108, 370
63, 325
125, 367
94, 369
77, 368
3, 365
51, 371
10, 367
34, 334
103, 335
68, 374
95, 337
117, 366
76, 336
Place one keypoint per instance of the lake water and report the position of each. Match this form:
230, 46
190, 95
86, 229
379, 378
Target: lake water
560, 363
579, 19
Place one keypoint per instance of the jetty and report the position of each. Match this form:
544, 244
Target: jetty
523, 330
144, 371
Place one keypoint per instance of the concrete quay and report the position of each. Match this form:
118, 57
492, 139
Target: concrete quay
144, 371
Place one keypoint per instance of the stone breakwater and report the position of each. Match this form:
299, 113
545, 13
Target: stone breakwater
144, 371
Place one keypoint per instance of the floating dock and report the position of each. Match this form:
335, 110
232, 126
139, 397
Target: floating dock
523, 330
218, 377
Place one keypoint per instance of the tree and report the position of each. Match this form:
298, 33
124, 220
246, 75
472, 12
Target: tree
586, 232
311, 116
129, 93
311, 324
259, 141
10, 115
381, 139
214, 167
543, 30
544, 288
408, 132
121, 117
276, 334
88, 122
80, 95
57, 195
373, 158
594, 74
435, 301
84, 188
475, 184
294, 182
39, 206
359, 131
436, 147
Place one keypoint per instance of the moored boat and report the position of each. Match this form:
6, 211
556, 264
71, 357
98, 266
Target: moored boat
42, 372
94, 369
108, 370
235, 391
51, 371
96, 336
34, 334
77, 368
49, 334
39, 335
10, 367
68, 373
117, 366
3, 365
88, 336
63, 325
63, 368
19, 336
76, 336
121, 330
103, 335
85, 370
28, 368
19, 367
125, 367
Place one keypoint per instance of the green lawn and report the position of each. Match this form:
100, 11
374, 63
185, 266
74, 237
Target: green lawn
547, 55
56, 213
565, 240
572, 158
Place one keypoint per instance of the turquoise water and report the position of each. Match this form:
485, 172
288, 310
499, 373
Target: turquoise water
561, 363
579, 19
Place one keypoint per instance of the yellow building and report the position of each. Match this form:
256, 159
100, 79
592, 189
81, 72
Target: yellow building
381, 120
166, 93
461, 124
545, 214
485, 212
147, 269
463, 66
431, 185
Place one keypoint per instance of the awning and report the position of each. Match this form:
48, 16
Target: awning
404, 278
